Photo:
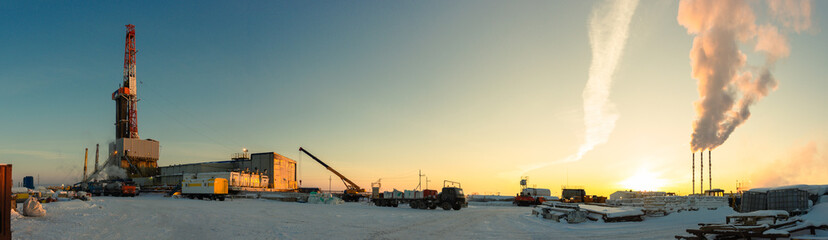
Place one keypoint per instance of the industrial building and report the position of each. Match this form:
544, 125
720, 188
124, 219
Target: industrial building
280, 170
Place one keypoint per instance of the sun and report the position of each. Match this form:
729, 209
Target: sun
644, 180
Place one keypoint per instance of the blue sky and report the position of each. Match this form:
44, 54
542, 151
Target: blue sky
462, 90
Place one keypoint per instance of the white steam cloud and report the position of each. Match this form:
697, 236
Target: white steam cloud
608, 31
727, 86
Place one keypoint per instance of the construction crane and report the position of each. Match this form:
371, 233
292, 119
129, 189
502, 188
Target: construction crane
352, 190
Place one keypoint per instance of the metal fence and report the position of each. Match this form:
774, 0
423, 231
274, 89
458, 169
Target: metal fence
791, 200
754, 201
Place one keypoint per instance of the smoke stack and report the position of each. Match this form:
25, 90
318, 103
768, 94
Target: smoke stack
85, 157
709, 169
97, 150
701, 174
694, 173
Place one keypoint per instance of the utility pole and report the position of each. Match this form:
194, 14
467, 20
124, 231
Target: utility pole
427, 182
329, 184
420, 184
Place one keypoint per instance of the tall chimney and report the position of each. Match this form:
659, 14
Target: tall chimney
694, 172
85, 156
701, 174
97, 150
709, 169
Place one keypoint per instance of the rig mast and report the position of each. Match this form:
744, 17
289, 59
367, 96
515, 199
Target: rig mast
126, 97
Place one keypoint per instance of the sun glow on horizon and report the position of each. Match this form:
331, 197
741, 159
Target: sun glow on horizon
644, 180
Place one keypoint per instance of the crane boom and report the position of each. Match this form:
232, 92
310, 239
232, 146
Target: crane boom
350, 185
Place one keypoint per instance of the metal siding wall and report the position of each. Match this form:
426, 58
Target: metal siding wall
138, 148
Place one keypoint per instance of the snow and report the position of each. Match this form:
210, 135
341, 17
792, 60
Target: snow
485, 198
818, 215
151, 216
774, 231
612, 212
811, 189
761, 213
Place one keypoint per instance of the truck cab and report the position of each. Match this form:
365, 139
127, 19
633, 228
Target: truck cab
452, 198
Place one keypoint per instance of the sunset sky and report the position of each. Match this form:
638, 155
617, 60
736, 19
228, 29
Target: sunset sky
469, 91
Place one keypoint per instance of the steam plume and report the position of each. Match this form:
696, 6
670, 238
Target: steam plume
727, 88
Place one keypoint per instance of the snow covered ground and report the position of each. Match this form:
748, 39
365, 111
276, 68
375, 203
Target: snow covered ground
157, 217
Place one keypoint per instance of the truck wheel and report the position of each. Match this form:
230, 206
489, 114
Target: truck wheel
221, 198
412, 204
422, 205
457, 206
396, 204
446, 206
432, 206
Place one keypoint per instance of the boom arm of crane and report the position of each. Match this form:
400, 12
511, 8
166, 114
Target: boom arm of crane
350, 185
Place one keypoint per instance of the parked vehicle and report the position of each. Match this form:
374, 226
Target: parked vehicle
204, 187
530, 196
451, 197
119, 188
579, 196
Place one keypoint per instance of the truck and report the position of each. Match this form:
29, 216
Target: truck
577, 195
530, 196
95, 188
204, 187
451, 197
120, 189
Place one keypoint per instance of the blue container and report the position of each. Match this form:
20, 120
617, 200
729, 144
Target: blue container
28, 182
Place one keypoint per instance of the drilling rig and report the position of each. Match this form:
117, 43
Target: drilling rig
138, 157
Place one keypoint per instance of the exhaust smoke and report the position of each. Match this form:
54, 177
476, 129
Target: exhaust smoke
727, 86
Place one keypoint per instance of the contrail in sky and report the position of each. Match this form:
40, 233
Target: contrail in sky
608, 31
